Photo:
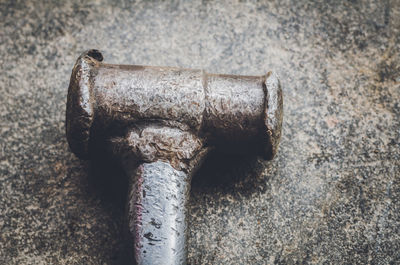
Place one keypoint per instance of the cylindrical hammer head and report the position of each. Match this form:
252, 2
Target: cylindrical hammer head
217, 108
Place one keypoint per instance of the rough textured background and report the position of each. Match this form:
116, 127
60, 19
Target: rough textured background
331, 195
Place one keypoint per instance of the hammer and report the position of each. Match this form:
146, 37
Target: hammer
160, 122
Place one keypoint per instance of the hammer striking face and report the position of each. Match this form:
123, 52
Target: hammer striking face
161, 122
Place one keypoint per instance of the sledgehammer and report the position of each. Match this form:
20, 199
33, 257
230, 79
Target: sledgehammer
161, 122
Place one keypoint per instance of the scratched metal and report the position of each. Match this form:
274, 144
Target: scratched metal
219, 108
157, 214
160, 122
158, 194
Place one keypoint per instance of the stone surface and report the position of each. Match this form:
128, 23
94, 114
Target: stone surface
330, 196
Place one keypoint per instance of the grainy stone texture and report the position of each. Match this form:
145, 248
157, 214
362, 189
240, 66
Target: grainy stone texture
332, 193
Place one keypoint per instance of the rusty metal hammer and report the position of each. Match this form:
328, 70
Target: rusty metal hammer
161, 122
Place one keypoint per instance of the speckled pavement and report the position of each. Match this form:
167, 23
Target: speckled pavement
331, 196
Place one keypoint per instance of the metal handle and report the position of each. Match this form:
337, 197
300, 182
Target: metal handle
156, 214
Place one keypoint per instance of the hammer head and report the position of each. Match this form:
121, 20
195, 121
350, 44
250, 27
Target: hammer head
241, 113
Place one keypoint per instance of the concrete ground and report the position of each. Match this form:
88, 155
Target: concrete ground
331, 196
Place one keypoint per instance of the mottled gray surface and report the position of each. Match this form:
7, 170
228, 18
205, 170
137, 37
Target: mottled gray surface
332, 193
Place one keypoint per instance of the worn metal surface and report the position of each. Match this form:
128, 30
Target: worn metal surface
161, 122
218, 108
157, 214
159, 189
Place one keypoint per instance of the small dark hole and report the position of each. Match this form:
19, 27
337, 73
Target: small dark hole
95, 54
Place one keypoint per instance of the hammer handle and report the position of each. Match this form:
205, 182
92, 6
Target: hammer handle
156, 214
